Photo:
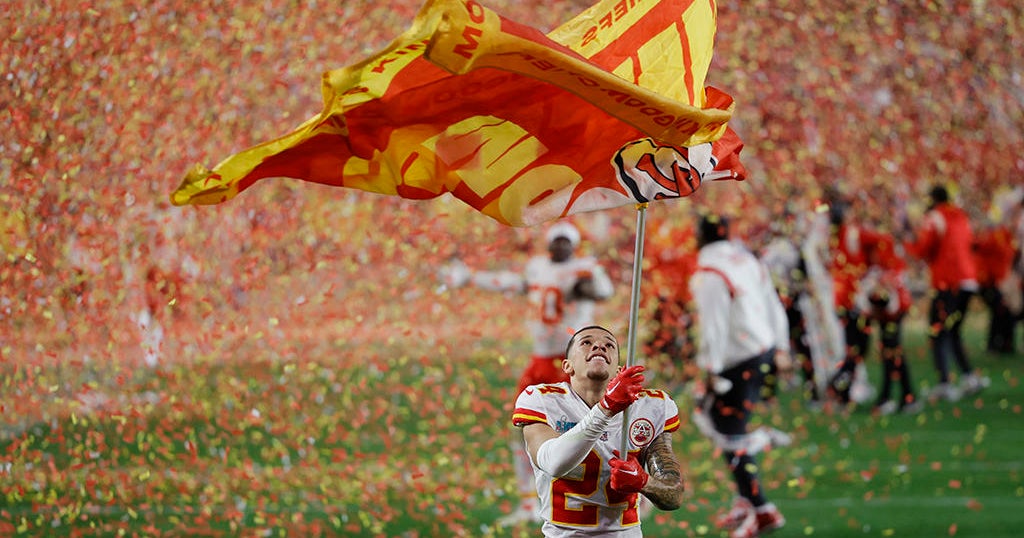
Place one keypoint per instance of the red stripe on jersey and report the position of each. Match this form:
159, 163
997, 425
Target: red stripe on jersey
522, 417
672, 424
719, 272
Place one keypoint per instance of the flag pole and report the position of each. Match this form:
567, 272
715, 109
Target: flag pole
634, 311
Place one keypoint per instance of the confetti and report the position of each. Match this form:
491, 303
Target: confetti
129, 357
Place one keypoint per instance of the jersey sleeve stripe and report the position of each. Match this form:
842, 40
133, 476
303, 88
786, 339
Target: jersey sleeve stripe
672, 424
522, 417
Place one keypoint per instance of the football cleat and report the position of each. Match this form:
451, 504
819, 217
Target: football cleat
736, 515
944, 391
769, 519
973, 384
912, 407
748, 526
886, 408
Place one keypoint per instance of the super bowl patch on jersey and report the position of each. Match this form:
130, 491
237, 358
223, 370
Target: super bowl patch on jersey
641, 432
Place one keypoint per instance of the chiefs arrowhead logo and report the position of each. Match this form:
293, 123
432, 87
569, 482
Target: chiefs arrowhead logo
650, 171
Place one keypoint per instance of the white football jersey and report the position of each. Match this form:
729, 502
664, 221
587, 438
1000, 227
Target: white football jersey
554, 316
581, 503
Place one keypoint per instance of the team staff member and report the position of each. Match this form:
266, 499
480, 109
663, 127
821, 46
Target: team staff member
994, 252
573, 432
742, 326
944, 242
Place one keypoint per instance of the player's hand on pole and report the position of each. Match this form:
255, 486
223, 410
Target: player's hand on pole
628, 476
623, 389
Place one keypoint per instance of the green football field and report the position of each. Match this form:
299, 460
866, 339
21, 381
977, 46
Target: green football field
393, 439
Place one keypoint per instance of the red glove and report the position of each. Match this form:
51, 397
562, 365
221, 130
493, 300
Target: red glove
623, 389
628, 476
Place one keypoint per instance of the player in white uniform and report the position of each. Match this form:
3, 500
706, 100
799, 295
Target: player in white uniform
573, 432
562, 291
743, 328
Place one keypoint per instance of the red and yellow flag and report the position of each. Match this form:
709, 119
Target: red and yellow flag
609, 109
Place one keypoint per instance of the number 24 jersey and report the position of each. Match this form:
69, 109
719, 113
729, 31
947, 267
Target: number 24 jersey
582, 502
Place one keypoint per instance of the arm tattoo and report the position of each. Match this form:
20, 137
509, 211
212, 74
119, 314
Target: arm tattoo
665, 486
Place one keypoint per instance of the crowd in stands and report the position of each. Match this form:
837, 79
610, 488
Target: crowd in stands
106, 107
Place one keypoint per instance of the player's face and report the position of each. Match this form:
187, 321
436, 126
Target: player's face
593, 354
560, 249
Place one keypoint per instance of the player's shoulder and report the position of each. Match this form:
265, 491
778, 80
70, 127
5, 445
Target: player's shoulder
534, 264
585, 261
658, 407
547, 390
536, 402
655, 394
539, 261
658, 401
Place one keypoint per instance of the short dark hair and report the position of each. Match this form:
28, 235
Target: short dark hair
712, 227
572, 339
837, 212
938, 194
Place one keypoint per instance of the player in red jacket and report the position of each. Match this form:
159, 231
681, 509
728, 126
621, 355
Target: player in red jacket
944, 242
995, 249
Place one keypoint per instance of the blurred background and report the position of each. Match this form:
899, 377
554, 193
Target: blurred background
106, 106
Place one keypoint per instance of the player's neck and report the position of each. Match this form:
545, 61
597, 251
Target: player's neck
589, 391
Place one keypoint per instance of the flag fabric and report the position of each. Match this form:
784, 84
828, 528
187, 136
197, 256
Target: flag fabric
608, 109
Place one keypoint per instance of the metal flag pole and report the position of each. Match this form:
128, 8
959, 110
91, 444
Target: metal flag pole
634, 312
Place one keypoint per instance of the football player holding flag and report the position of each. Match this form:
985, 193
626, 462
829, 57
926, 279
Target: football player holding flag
573, 430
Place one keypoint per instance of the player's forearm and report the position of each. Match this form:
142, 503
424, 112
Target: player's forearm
665, 486
559, 455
